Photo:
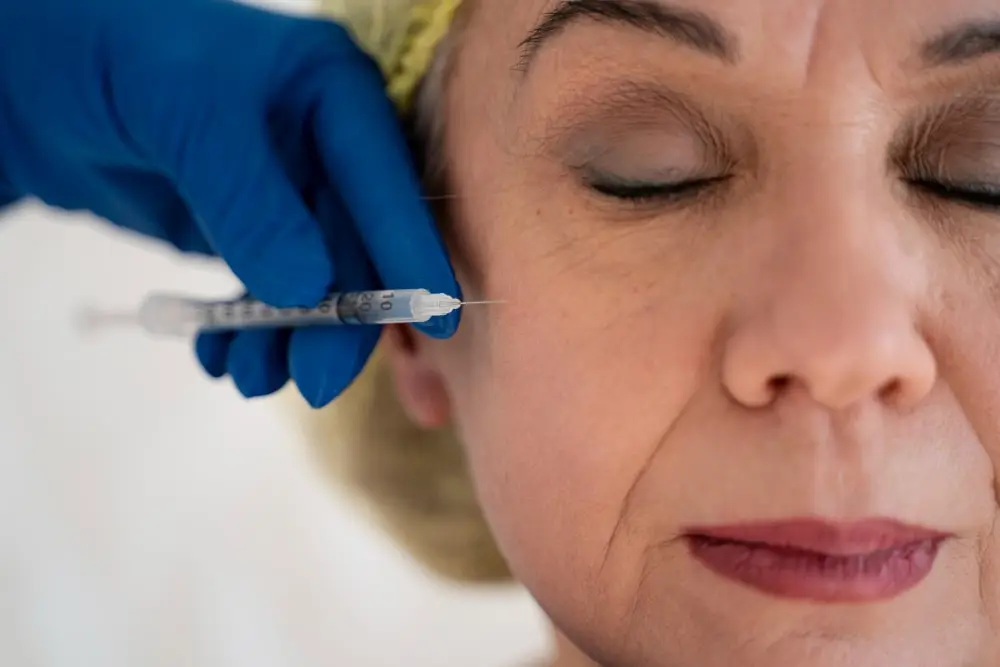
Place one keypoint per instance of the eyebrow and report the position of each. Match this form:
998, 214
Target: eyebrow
962, 43
687, 27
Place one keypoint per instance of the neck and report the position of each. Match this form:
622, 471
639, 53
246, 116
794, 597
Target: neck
568, 655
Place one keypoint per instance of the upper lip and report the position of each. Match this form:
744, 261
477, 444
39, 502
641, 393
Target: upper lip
822, 537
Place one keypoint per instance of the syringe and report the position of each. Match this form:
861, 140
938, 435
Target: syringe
172, 315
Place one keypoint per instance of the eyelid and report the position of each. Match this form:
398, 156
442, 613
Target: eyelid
652, 177
623, 108
663, 180
953, 141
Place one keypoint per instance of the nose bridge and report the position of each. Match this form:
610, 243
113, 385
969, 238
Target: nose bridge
836, 247
834, 310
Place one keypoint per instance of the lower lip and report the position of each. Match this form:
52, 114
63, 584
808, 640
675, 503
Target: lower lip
797, 574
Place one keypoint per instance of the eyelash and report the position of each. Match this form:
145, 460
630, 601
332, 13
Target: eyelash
977, 195
637, 193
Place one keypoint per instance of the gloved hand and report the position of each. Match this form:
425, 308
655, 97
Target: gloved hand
228, 130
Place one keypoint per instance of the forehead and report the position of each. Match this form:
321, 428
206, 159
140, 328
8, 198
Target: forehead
775, 33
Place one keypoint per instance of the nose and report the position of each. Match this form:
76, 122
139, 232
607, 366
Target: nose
833, 312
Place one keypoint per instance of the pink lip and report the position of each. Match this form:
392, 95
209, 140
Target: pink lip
826, 562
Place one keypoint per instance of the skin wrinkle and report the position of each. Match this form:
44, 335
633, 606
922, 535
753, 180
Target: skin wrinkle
627, 501
575, 254
813, 57
939, 134
985, 432
984, 594
648, 567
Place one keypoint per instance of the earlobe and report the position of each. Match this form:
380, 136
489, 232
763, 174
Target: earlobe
419, 386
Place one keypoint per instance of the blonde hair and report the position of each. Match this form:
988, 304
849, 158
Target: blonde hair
416, 481
401, 35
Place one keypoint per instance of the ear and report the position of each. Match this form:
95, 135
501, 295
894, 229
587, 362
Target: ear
419, 386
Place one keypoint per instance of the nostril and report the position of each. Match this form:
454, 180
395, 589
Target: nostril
892, 387
778, 384
891, 391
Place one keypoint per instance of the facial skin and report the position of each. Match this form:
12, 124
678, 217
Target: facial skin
812, 332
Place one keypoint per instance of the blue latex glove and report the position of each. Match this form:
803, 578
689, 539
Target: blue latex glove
228, 130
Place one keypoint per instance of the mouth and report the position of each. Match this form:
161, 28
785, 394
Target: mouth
820, 561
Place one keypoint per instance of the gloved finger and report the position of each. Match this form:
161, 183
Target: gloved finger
251, 214
258, 361
149, 204
212, 350
325, 360
365, 154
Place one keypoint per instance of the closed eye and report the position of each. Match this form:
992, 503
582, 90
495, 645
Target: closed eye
979, 195
638, 192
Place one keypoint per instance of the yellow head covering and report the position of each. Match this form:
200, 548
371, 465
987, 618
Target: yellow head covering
401, 35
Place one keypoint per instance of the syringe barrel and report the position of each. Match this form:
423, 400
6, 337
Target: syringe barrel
171, 315
384, 307
252, 314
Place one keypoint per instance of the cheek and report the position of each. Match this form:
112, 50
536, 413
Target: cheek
561, 407
969, 359
550, 465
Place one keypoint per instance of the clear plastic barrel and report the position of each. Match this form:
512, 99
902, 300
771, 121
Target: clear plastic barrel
180, 316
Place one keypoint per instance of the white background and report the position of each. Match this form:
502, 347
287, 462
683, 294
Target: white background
150, 517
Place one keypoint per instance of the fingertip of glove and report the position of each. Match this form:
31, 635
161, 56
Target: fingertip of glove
316, 400
256, 362
257, 382
441, 328
259, 388
211, 351
320, 383
325, 361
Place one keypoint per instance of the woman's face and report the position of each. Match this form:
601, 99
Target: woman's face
742, 406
